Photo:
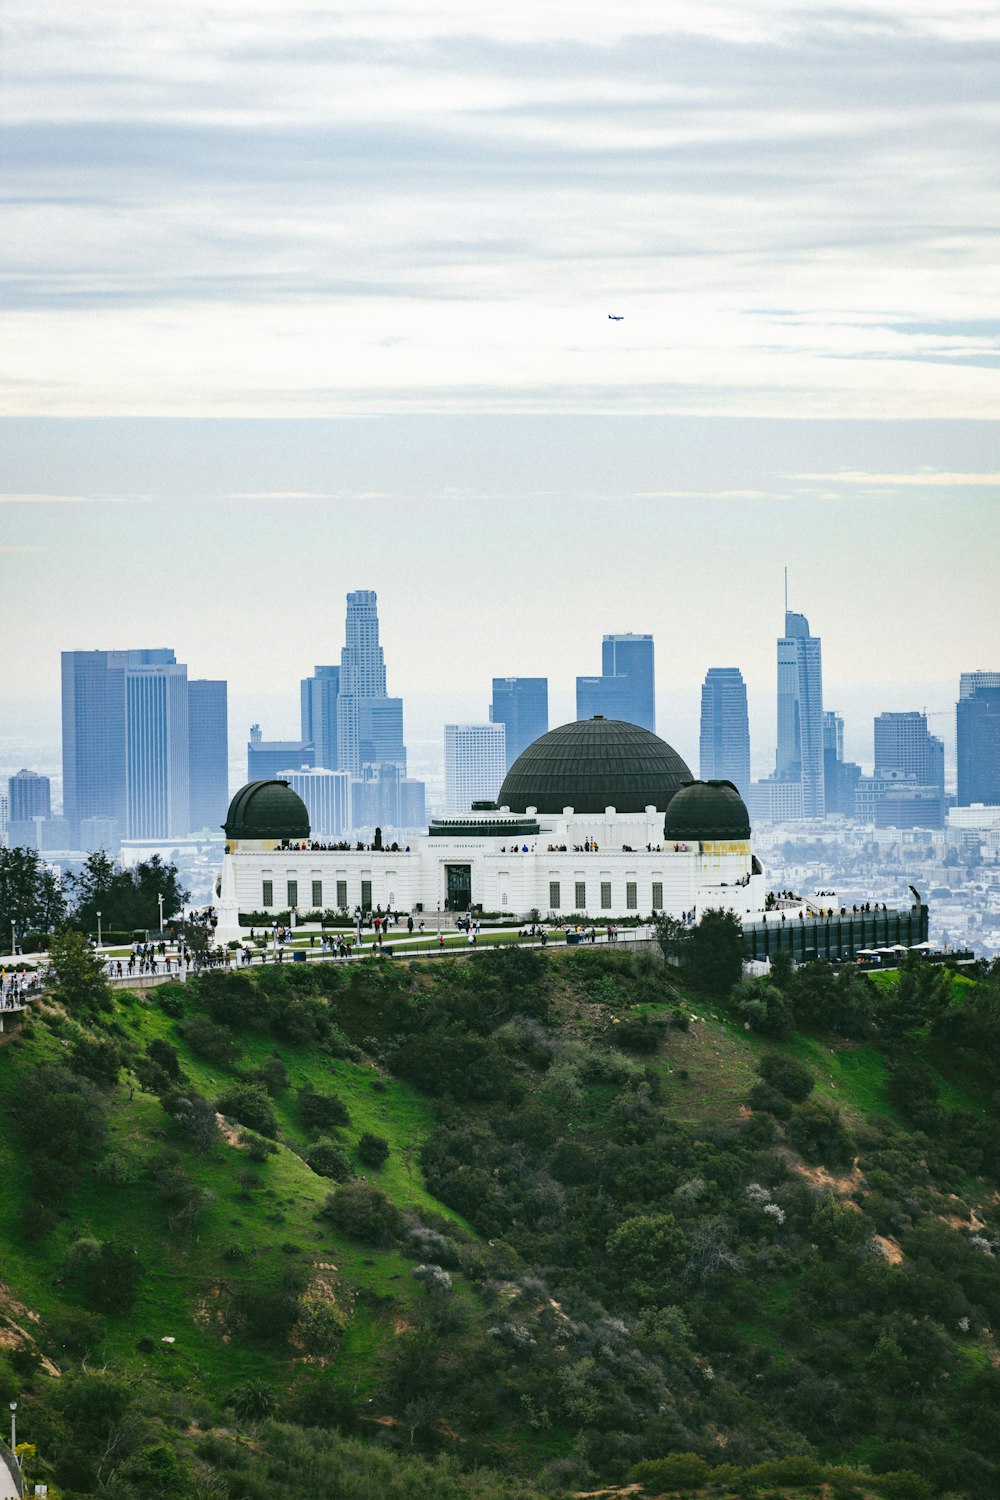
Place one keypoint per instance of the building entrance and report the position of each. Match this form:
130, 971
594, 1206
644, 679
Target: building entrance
459, 892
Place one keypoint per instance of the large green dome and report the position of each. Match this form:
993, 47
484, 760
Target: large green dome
267, 810
707, 810
594, 764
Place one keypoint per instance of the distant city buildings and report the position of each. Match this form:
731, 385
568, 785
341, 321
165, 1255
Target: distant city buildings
521, 705
144, 750
840, 776
29, 796
208, 753
318, 704
801, 754
268, 758
725, 729
978, 739
626, 688
327, 795
369, 722
475, 762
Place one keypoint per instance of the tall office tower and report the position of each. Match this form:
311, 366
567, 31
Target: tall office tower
475, 763
208, 752
369, 722
157, 760
521, 705
318, 695
970, 682
833, 732
327, 796
903, 744
29, 796
266, 759
3, 820
93, 737
725, 729
840, 776
978, 727
800, 713
384, 798
625, 688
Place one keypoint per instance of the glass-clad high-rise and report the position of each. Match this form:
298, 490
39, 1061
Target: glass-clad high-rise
625, 689
725, 729
800, 713
521, 705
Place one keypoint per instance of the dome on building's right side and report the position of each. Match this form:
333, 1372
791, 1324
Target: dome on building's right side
707, 810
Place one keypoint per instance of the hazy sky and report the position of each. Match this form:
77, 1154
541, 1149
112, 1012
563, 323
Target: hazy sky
298, 301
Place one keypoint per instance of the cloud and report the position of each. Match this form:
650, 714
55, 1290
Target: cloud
920, 479
5, 548
40, 499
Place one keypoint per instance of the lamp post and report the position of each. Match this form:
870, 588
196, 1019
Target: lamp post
160, 900
13, 940
13, 1428
98, 929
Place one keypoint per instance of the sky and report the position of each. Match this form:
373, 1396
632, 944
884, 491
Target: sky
303, 300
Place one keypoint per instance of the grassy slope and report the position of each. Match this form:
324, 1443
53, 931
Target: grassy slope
182, 1275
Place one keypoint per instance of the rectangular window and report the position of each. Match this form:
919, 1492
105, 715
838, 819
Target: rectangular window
554, 898
317, 893
631, 895
341, 893
580, 896
657, 895
267, 894
293, 894
605, 895
366, 895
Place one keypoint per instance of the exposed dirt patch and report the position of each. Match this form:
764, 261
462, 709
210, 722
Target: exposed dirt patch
820, 1177
890, 1248
230, 1132
13, 1334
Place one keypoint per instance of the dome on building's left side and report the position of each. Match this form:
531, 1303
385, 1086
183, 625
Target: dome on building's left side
267, 810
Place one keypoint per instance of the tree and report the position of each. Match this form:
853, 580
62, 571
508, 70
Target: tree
762, 1007
77, 975
817, 1130
250, 1105
674, 938
253, 1401
128, 900
329, 1159
364, 1213
645, 1250
786, 1076
715, 955
30, 895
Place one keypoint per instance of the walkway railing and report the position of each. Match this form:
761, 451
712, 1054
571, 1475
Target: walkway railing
13, 1476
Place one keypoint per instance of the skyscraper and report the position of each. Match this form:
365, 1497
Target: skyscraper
157, 764
840, 776
268, 758
970, 682
93, 737
29, 796
521, 705
475, 763
978, 730
800, 713
208, 752
833, 732
725, 729
319, 695
369, 722
625, 688
903, 744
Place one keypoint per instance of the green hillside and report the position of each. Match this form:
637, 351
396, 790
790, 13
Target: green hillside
516, 1224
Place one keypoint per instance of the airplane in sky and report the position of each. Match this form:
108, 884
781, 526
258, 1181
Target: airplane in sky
617, 317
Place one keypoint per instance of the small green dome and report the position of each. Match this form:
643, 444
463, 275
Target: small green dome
267, 810
707, 810
594, 764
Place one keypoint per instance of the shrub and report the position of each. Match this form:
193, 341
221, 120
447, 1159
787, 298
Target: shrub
194, 1117
108, 1275
786, 1076
248, 1104
253, 1401
96, 1058
762, 1007
360, 1210
209, 1041
320, 1111
678, 1471
819, 1133
373, 1150
330, 1159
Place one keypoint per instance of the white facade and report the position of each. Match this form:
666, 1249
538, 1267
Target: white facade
505, 862
475, 762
